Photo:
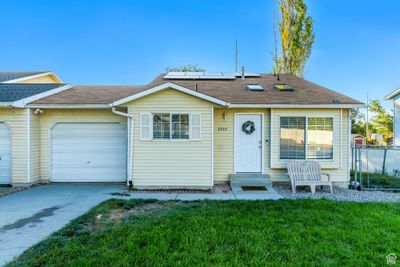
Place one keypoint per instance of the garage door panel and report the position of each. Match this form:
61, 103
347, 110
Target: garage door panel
5, 154
88, 152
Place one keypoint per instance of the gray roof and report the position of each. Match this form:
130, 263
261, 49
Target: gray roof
10, 92
11, 75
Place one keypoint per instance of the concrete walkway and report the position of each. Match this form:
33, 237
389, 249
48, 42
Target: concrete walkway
271, 194
29, 216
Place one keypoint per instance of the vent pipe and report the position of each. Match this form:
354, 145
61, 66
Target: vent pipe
242, 72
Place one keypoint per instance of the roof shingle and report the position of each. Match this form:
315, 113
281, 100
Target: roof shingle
10, 92
12, 75
231, 91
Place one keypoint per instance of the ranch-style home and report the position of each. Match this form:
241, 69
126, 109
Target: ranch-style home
183, 130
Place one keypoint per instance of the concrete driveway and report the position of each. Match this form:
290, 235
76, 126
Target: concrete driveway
29, 216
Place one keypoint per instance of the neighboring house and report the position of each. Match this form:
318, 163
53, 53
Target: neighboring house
16, 90
395, 96
183, 130
29, 77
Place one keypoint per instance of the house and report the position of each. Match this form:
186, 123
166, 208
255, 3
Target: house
182, 130
395, 96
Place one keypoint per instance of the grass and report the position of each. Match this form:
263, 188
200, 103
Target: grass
227, 233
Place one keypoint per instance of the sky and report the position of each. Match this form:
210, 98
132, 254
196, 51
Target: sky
121, 42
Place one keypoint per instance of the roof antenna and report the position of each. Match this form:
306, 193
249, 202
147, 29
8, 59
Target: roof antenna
236, 56
196, 87
242, 72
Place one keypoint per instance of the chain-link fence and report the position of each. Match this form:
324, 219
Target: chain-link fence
376, 168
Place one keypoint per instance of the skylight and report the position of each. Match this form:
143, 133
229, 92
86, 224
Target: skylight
254, 87
283, 87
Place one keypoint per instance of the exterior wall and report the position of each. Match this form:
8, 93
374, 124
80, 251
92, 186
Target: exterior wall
338, 167
50, 118
43, 79
172, 163
224, 143
34, 146
16, 120
396, 121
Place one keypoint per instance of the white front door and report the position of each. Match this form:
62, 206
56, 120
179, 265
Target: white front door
248, 143
5, 154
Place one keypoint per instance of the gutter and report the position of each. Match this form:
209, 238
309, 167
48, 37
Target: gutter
71, 106
130, 135
28, 145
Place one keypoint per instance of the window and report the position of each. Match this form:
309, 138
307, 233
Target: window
318, 133
320, 138
170, 126
180, 126
292, 138
161, 126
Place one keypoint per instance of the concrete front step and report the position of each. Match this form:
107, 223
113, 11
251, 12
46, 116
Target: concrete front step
238, 180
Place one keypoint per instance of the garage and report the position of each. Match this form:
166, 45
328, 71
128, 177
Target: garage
88, 152
5, 154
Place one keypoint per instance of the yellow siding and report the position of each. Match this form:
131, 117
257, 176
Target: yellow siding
338, 167
224, 143
49, 119
172, 163
44, 79
35, 147
16, 120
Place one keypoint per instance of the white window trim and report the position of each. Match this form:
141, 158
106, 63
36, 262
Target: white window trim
190, 139
306, 137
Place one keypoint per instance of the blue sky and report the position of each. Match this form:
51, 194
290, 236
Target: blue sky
357, 47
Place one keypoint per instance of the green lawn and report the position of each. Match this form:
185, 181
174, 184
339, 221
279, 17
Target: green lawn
230, 233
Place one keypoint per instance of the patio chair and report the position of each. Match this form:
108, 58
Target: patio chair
307, 173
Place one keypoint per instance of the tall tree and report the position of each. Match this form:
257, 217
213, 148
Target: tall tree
382, 120
186, 68
358, 125
296, 37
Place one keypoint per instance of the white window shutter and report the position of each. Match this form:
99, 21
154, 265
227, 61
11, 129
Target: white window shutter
195, 126
146, 128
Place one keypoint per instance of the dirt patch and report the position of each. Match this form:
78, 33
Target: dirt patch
104, 221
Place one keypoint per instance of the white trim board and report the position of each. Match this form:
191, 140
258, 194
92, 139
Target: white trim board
23, 102
33, 77
169, 85
324, 106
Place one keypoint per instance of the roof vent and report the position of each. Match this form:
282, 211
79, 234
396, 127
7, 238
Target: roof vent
254, 87
336, 101
283, 87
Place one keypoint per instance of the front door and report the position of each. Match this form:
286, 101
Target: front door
248, 143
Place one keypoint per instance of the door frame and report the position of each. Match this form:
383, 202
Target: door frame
262, 139
10, 178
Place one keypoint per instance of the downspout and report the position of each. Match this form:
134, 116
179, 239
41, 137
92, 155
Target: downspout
28, 145
130, 144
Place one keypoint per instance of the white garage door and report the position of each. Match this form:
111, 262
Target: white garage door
88, 152
5, 154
